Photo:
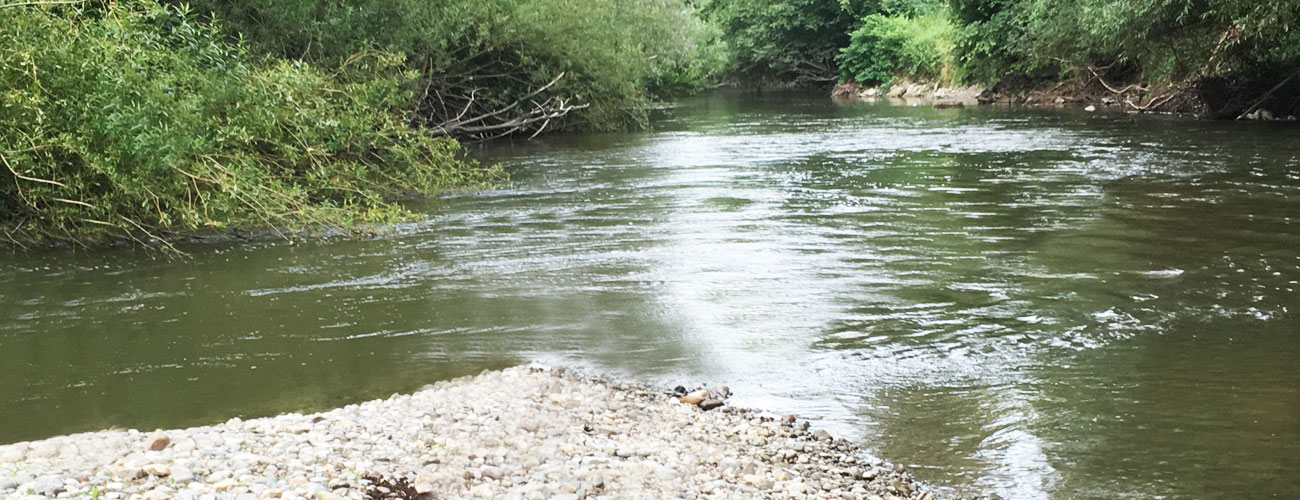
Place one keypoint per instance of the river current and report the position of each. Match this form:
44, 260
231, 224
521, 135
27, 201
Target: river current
1038, 303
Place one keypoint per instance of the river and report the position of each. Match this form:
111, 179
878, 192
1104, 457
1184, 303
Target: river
1038, 303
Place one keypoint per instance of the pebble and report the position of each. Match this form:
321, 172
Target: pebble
157, 441
710, 404
696, 397
518, 433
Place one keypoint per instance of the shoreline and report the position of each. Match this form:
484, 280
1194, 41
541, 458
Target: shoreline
518, 433
1068, 93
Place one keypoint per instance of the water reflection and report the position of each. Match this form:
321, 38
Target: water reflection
1043, 304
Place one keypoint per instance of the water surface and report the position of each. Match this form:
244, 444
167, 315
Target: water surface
1044, 304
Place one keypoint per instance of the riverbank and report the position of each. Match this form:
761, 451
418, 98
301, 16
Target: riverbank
517, 433
1089, 94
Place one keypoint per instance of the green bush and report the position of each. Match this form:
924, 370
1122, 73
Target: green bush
139, 119
786, 40
886, 47
1167, 40
475, 57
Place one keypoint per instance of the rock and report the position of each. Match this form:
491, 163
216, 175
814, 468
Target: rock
11, 455
43, 450
159, 470
760, 482
845, 90
493, 472
1265, 114
948, 105
1059, 100
710, 404
695, 398
723, 392
821, 435
1090, 108
182, 474
325, 495
787, 419
157, 441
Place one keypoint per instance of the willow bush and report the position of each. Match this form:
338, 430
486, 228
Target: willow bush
477, 57
136, 119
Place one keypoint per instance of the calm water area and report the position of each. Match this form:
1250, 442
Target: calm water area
1046, 304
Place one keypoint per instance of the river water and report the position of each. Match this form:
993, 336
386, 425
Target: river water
1044, 304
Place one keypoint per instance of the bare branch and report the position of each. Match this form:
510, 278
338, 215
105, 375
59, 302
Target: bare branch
49, 2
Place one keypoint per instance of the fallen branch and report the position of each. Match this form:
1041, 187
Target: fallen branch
499, 122
1112, 89
1267, 95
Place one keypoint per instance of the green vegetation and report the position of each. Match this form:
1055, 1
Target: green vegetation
1150, 51
138, 120
141, 118
147, 118
585, 63
887, 47
1164, 39
785, 40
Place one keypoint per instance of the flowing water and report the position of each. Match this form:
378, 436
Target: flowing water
1045, 304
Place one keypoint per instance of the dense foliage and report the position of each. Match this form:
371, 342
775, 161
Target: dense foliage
1162, 39
792, 40
886, 47
138, 119
606, 58
1245, 46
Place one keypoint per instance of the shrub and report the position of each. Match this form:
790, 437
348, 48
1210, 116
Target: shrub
476, 57
139, 119
886, 47
786, 40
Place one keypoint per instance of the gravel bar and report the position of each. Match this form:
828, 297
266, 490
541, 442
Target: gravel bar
519, 433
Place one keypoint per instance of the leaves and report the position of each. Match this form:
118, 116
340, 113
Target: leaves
140, 119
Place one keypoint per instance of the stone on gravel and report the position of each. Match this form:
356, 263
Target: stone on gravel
710, 404
696, 397
157, 441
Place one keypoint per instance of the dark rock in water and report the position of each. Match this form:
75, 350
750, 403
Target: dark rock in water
987, 97
846, 90
787, 419
710, 404
948, 105
679, 390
